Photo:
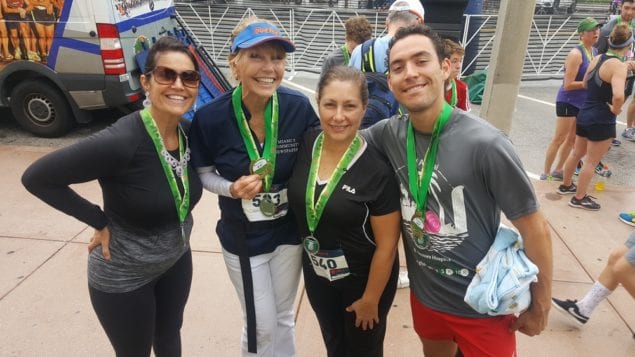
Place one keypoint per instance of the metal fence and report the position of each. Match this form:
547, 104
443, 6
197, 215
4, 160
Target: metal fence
317, 31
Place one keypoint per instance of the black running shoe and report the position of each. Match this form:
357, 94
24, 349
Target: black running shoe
570, 309
585, 203
567, 190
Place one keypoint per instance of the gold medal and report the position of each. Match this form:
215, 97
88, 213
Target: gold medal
260, 167
311, 244
417, 226
267, 207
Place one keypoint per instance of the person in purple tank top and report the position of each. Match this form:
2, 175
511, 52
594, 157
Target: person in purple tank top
595, 124
570, 98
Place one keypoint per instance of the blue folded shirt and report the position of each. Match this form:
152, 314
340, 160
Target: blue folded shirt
502, 280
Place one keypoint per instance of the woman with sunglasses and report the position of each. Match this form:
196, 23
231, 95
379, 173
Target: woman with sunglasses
140, 262
346, 202
244, 145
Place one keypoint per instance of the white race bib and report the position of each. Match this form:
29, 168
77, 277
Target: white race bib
330, 264
254, 212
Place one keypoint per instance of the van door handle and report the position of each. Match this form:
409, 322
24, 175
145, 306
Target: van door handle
92, 34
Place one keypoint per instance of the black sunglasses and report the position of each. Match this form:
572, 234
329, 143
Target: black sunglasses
165, 75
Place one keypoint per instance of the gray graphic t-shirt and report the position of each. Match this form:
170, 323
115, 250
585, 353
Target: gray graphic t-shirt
477, 174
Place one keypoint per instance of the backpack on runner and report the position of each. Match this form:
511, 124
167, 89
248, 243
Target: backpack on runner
381, 102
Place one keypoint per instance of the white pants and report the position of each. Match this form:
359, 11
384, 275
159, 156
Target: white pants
275, 277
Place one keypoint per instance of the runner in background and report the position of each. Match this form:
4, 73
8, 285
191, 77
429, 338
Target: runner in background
627, 15
456, 91
358, 30
570, 98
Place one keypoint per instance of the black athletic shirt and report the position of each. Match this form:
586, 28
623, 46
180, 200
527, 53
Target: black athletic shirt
123, 159
368, 188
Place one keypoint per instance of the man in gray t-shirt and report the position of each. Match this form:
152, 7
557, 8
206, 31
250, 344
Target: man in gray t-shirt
476, 175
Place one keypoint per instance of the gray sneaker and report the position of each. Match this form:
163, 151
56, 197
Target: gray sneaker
629, 134
567, 190
585, 202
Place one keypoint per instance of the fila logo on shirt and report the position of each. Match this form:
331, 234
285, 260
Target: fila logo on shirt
348, 189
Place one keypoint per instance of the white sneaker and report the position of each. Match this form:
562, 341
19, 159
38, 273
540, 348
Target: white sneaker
629, 134
403, 281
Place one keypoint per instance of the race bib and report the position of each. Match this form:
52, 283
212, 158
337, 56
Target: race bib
266, 206
330, 264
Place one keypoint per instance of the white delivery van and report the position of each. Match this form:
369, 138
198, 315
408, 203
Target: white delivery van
65, 57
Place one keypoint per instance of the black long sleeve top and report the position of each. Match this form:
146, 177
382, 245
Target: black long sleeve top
123, 159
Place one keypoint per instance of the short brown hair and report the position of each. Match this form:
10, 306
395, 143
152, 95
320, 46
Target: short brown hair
620, 34
358, 29
418, 29
450, 48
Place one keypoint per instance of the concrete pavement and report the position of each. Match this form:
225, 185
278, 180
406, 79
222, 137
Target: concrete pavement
45, 309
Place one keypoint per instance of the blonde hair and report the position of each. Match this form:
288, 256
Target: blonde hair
236, 57
450, 47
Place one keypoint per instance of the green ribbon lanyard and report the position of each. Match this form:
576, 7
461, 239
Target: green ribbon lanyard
271, 133
347, 56
631, 23
613, 54
454, 99
182, 202
420, 182
314, 209
589, 55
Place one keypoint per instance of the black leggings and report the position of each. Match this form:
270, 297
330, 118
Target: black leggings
150, 316
329, 301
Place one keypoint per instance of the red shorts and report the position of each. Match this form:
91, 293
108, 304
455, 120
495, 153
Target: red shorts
475, 336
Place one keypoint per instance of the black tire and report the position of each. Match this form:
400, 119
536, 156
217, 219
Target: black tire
41, 109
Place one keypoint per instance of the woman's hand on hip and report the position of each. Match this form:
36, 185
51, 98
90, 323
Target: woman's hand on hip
101, 237
614, 109
366, 314
246, 187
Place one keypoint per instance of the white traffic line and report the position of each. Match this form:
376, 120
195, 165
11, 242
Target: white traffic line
536, 100
530, 174
553, 105
303, 88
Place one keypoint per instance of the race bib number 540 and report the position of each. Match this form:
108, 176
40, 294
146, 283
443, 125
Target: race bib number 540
330, 264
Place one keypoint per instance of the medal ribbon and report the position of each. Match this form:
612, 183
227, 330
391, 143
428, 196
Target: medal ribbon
182, 203
589, 55
347, 56
453, 100
631, 23
420, 182
314, 210
271, 133
613, 54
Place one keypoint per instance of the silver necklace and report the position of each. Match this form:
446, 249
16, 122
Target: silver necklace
177, 165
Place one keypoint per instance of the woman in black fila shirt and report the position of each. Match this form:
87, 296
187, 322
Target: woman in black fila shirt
346, 202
